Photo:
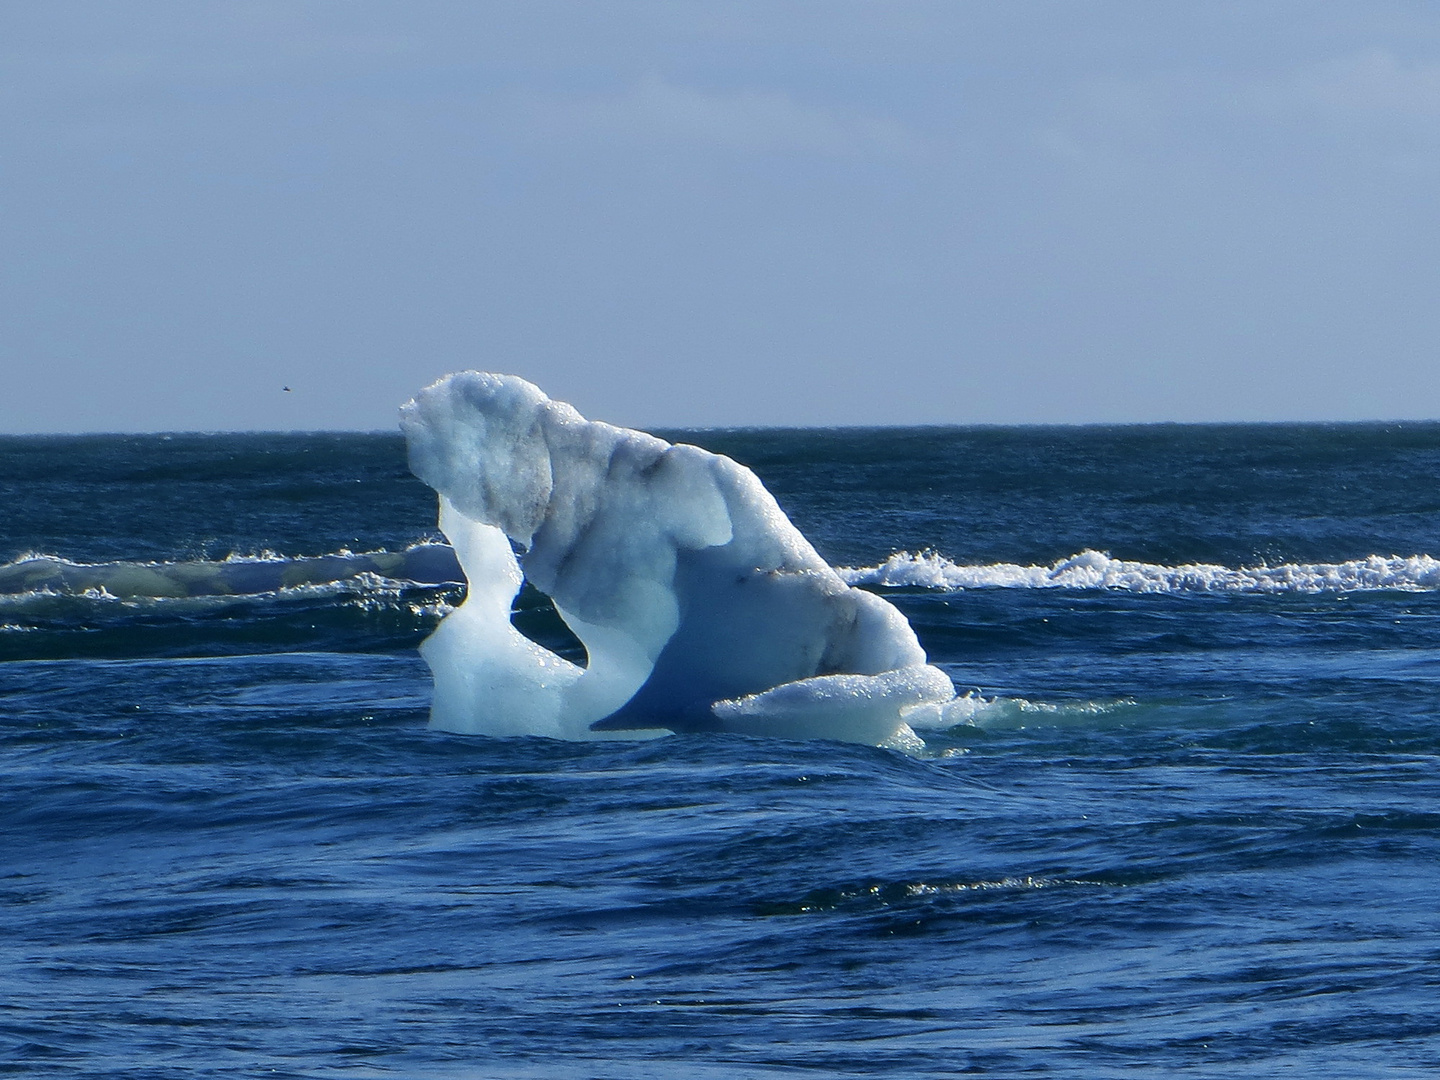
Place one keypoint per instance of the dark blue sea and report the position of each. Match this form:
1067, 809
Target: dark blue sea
1190, 827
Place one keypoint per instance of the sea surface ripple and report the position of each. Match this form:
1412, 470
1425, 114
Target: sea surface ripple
1181, 830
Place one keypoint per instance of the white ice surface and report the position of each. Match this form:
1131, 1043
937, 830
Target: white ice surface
701, 607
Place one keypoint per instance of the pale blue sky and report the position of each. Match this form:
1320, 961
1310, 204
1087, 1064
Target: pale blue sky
719, 213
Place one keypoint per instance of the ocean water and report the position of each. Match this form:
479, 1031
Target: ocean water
1191, 825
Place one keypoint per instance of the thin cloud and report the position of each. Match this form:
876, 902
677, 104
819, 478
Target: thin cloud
1382, 107
750, 121
1370, 85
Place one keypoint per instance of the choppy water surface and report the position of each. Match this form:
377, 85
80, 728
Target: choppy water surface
1192, 825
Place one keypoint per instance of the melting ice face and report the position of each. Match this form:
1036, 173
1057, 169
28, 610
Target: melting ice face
700, 606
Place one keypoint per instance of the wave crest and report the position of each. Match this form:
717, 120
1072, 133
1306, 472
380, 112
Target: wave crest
1097, 570
234, 575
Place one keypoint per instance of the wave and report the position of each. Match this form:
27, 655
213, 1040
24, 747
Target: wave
55, 608
1097, 570
32, 577
974, 709
37, 575
50, 609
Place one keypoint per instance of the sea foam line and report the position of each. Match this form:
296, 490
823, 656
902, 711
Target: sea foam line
234, 575
1097, 570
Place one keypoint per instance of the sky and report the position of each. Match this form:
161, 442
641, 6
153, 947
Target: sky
698, 214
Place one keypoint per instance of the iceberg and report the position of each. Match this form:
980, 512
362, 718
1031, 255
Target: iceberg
700, 606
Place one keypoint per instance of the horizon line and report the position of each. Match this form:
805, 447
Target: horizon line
928, 425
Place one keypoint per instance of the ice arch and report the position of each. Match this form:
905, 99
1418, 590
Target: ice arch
701, 607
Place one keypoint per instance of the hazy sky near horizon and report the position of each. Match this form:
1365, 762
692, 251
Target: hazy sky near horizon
678, 213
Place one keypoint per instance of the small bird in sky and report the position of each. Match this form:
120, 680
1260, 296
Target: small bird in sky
286, 389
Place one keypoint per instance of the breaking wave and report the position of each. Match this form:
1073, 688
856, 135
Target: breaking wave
1097, 570
346, 573
974, 709
52, 607
236, 575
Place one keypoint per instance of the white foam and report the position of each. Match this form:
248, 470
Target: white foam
265, 555
365, 591
1097, 570
1029, 881
976, 710
261, 573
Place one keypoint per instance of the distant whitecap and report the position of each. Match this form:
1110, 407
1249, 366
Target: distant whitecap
1097, 570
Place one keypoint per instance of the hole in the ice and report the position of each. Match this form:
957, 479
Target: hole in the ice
533, 614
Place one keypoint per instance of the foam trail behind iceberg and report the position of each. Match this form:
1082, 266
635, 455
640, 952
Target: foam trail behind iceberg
700, 606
